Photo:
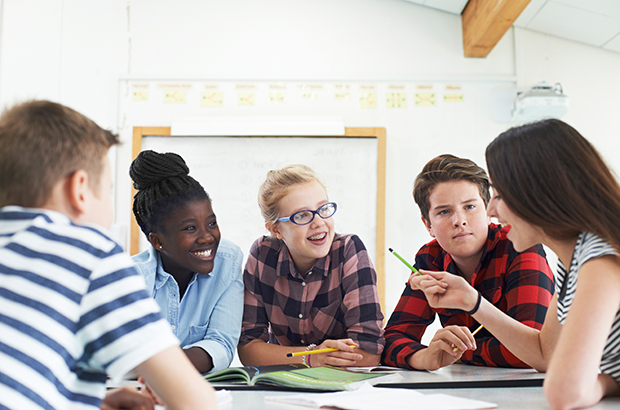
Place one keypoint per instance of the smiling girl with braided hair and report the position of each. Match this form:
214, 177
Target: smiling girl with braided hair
193, 274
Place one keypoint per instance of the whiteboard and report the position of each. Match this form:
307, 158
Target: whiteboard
232, 168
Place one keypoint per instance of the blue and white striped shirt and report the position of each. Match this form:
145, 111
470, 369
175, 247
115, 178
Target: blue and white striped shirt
73, 309
589, 246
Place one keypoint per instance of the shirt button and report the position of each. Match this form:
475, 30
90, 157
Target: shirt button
173, 327
303, 283
310, 273
302, 341
301, 316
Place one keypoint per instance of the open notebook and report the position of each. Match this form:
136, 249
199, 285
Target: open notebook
296, 376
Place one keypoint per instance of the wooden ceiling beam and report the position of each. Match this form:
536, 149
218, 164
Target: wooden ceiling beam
486, 21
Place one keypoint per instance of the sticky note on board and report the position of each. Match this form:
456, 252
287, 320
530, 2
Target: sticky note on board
212, 99
277, 97
368, 99
396, 100
453, 98
308, 95
425, 99
140, 95
246, 98
175, 97
342, 96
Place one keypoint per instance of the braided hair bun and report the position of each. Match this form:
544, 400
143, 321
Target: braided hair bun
150, 168
163, 184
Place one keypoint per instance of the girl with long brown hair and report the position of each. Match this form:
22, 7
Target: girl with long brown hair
551, 186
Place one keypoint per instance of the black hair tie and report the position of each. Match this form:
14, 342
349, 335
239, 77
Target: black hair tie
475, 309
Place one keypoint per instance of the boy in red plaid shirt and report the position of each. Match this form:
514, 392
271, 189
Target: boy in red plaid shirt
453, 194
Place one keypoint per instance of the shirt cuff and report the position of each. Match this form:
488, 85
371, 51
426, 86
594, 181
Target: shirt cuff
220, 356
405, 352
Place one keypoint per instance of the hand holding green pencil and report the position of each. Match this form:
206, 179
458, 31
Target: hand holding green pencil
418, 272
404, 261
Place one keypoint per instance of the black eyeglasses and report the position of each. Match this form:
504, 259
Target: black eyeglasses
305, 217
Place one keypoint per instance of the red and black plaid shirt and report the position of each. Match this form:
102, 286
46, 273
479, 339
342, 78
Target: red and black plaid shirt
337, 299
520, 284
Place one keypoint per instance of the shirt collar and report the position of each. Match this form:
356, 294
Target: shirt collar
161, 276
32, 213
47, 215
496, 232
287, 266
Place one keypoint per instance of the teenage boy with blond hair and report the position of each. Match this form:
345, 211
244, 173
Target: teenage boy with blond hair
452, 194
73, 308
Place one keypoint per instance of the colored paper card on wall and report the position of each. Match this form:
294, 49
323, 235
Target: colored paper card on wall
368, 99
246, 87
309, 95
277, 97
278, 87
342, 92
311, 87
396, 100
246, 98
175, 97
140, 95
424, 99
212, 99
424, 87
453, 98
310, 91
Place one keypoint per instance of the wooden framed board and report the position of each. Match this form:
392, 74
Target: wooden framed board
231, 169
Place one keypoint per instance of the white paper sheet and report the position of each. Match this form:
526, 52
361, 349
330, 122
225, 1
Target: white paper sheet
368, 397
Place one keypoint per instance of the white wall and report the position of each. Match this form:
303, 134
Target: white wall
589, 76
74, 52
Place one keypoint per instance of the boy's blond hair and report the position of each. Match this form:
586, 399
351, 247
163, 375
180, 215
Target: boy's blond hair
42, 142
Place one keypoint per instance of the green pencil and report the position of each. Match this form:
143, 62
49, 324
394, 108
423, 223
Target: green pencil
404, 261
416, 271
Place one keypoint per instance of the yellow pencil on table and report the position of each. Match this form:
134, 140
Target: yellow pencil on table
326, 350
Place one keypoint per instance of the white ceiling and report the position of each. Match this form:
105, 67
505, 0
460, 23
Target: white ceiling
593, 22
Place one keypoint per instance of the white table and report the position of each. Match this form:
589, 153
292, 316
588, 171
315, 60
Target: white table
511, 389
507, 398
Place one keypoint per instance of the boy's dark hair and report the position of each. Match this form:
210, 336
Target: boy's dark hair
42, 142
163, 185
445, 168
